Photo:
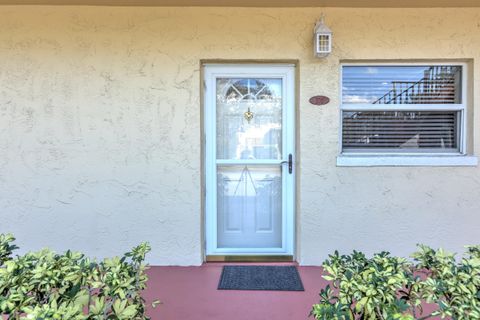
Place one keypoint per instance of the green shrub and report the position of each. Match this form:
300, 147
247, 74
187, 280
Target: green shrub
453, 286
6, 247
46, 285
386, 287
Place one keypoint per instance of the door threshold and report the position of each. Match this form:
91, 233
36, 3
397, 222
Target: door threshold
249, 258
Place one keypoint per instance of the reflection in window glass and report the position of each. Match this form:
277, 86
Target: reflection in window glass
401, 84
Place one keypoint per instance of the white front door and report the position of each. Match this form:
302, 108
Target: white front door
249, 165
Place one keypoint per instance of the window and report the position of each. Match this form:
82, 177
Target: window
403, 109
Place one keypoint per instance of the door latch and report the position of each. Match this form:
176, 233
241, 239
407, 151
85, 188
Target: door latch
290, 163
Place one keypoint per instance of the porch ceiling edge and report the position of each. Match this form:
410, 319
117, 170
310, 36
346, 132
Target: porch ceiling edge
257, 3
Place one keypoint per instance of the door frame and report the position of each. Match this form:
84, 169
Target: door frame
210, 71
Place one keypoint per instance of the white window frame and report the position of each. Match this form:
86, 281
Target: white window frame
376, 158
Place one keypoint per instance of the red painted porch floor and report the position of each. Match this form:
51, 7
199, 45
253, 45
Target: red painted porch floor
190, 293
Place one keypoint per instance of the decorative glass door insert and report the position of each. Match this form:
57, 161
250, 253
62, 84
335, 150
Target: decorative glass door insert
249, 142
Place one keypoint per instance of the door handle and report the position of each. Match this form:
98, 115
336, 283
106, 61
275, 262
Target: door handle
290, 163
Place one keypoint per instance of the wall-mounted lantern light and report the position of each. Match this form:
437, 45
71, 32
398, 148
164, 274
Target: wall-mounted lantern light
323, 39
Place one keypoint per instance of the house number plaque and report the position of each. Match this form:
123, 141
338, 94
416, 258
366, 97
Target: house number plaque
319, 100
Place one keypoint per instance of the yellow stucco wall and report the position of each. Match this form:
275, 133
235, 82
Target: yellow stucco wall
100, 127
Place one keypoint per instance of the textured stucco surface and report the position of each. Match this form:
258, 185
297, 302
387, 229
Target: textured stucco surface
100, 124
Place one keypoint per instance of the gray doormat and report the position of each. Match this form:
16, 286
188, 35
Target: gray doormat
275, 278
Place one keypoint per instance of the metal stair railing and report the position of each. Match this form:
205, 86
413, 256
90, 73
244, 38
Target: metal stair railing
437, 86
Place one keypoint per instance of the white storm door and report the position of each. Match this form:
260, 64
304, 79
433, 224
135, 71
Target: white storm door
249, 165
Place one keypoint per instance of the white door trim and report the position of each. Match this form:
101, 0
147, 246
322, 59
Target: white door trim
287, 73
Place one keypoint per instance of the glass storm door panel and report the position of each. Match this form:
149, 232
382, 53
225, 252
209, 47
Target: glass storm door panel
249, 118
249, 206
249, 159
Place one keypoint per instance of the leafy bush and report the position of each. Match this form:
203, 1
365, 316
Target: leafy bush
6, 247
386, 287
46, 285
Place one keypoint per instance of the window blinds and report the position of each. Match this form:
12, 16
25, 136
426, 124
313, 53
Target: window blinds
374, 116
404, 130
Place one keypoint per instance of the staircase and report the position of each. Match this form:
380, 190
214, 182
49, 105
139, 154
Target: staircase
438, 86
